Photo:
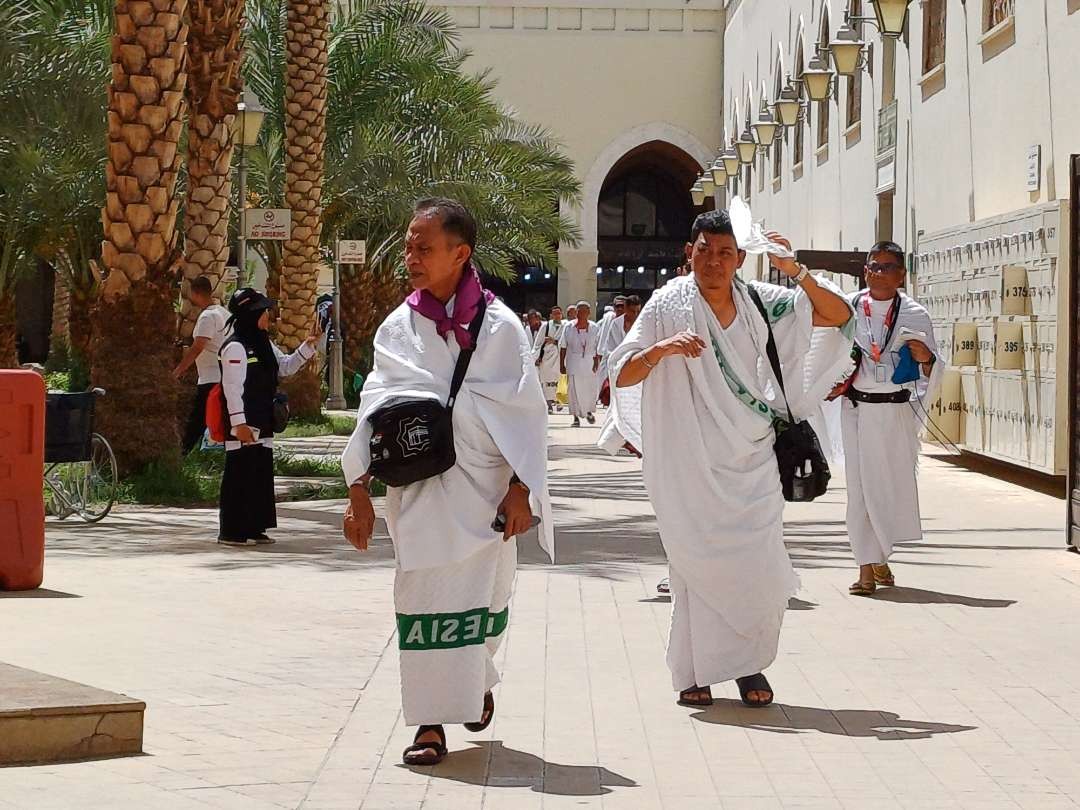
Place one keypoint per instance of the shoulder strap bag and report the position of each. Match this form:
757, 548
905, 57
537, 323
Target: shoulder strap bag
804, 472
413, 439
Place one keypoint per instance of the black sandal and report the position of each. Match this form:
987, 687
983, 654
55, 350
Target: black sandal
486, 717
686, 700
416, 754
754, 683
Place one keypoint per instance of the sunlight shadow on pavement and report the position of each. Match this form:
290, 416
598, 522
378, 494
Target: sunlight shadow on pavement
918, 596
784, 719
492, 764
38, 593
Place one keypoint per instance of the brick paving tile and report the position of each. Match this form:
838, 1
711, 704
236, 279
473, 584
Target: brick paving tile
271, 673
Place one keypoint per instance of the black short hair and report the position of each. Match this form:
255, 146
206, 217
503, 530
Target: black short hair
454, 217
633, 301
892, 249
201, 284
716, 222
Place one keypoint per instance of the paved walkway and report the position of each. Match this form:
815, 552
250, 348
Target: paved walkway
270, 673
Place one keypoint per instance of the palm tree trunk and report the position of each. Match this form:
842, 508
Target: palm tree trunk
132, 341
81, 301
213, 88
366, 299
305, 137
60, 333
9, 356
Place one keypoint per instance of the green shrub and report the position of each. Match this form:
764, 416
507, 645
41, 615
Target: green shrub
306, 466
324, 425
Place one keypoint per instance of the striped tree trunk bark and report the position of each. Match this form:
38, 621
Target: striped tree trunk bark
133, 335
305, 136
213, 89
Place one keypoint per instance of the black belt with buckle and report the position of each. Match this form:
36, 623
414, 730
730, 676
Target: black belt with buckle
890, 397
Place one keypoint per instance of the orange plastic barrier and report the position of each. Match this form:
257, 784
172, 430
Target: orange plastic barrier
22, 455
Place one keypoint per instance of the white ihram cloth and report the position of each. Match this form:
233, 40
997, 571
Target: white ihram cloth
610, 338
548, 357
881, 440
711, 474
582, 385
449, 560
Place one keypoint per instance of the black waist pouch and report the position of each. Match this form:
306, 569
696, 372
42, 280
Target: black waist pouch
413, 439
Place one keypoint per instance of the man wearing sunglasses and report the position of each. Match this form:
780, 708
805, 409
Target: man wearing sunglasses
886, 401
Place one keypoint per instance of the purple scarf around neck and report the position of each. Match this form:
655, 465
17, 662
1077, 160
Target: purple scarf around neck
467, 299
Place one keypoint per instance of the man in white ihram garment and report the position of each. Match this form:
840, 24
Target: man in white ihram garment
454, 569
885, 406
580, 360
698, 350
546, 352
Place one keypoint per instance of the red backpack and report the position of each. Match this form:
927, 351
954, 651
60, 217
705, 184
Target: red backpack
217, 414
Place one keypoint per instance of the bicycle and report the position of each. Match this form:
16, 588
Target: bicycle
80, 474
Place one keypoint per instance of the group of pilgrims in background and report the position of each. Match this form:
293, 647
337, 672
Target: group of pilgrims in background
571, 355
700, 347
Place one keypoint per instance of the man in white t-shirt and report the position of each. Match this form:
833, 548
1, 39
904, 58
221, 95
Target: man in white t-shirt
210, 332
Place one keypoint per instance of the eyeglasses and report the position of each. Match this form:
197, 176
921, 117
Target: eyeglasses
880, 269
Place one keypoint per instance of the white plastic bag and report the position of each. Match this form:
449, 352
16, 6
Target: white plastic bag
750, 235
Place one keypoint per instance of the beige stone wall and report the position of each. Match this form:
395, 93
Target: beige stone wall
962, 138
961, 203
604, 80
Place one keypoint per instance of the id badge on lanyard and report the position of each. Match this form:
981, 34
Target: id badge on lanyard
879, 372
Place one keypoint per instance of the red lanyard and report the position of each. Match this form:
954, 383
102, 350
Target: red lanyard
875, 350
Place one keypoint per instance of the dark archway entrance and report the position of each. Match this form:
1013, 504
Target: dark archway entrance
643, 220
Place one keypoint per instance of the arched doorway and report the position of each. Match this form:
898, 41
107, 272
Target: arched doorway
644, 214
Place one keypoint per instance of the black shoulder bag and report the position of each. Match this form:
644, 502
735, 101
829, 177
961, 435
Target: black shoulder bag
804, 472
413, 439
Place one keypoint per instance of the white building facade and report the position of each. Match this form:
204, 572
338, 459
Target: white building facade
633, 92
956, 141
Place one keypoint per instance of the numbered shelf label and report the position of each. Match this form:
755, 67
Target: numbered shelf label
965, 344
1016, 294
1009, 348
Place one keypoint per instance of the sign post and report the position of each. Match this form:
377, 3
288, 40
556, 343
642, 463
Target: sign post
348, 251
272, 224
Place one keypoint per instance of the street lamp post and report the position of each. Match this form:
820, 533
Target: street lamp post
249, 118
335, 400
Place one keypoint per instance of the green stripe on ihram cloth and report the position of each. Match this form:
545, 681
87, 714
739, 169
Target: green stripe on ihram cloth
445, 631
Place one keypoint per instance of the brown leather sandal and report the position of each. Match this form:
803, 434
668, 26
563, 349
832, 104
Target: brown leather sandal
883, 575
862, 588
422, 754
486, 717
686, 697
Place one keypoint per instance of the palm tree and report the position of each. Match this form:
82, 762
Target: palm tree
306, 52
53, 66
132, 335
213, 88
405, 120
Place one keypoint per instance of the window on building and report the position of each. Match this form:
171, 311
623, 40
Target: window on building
854, 100
797, 145
933, 34
778, 154
823, 106
995, 12
823, 123
854, 83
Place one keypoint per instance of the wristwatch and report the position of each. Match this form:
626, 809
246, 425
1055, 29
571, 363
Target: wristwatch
798, 278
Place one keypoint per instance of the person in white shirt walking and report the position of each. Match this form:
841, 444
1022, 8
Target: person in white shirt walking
210, 332
580, 361
546, 352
